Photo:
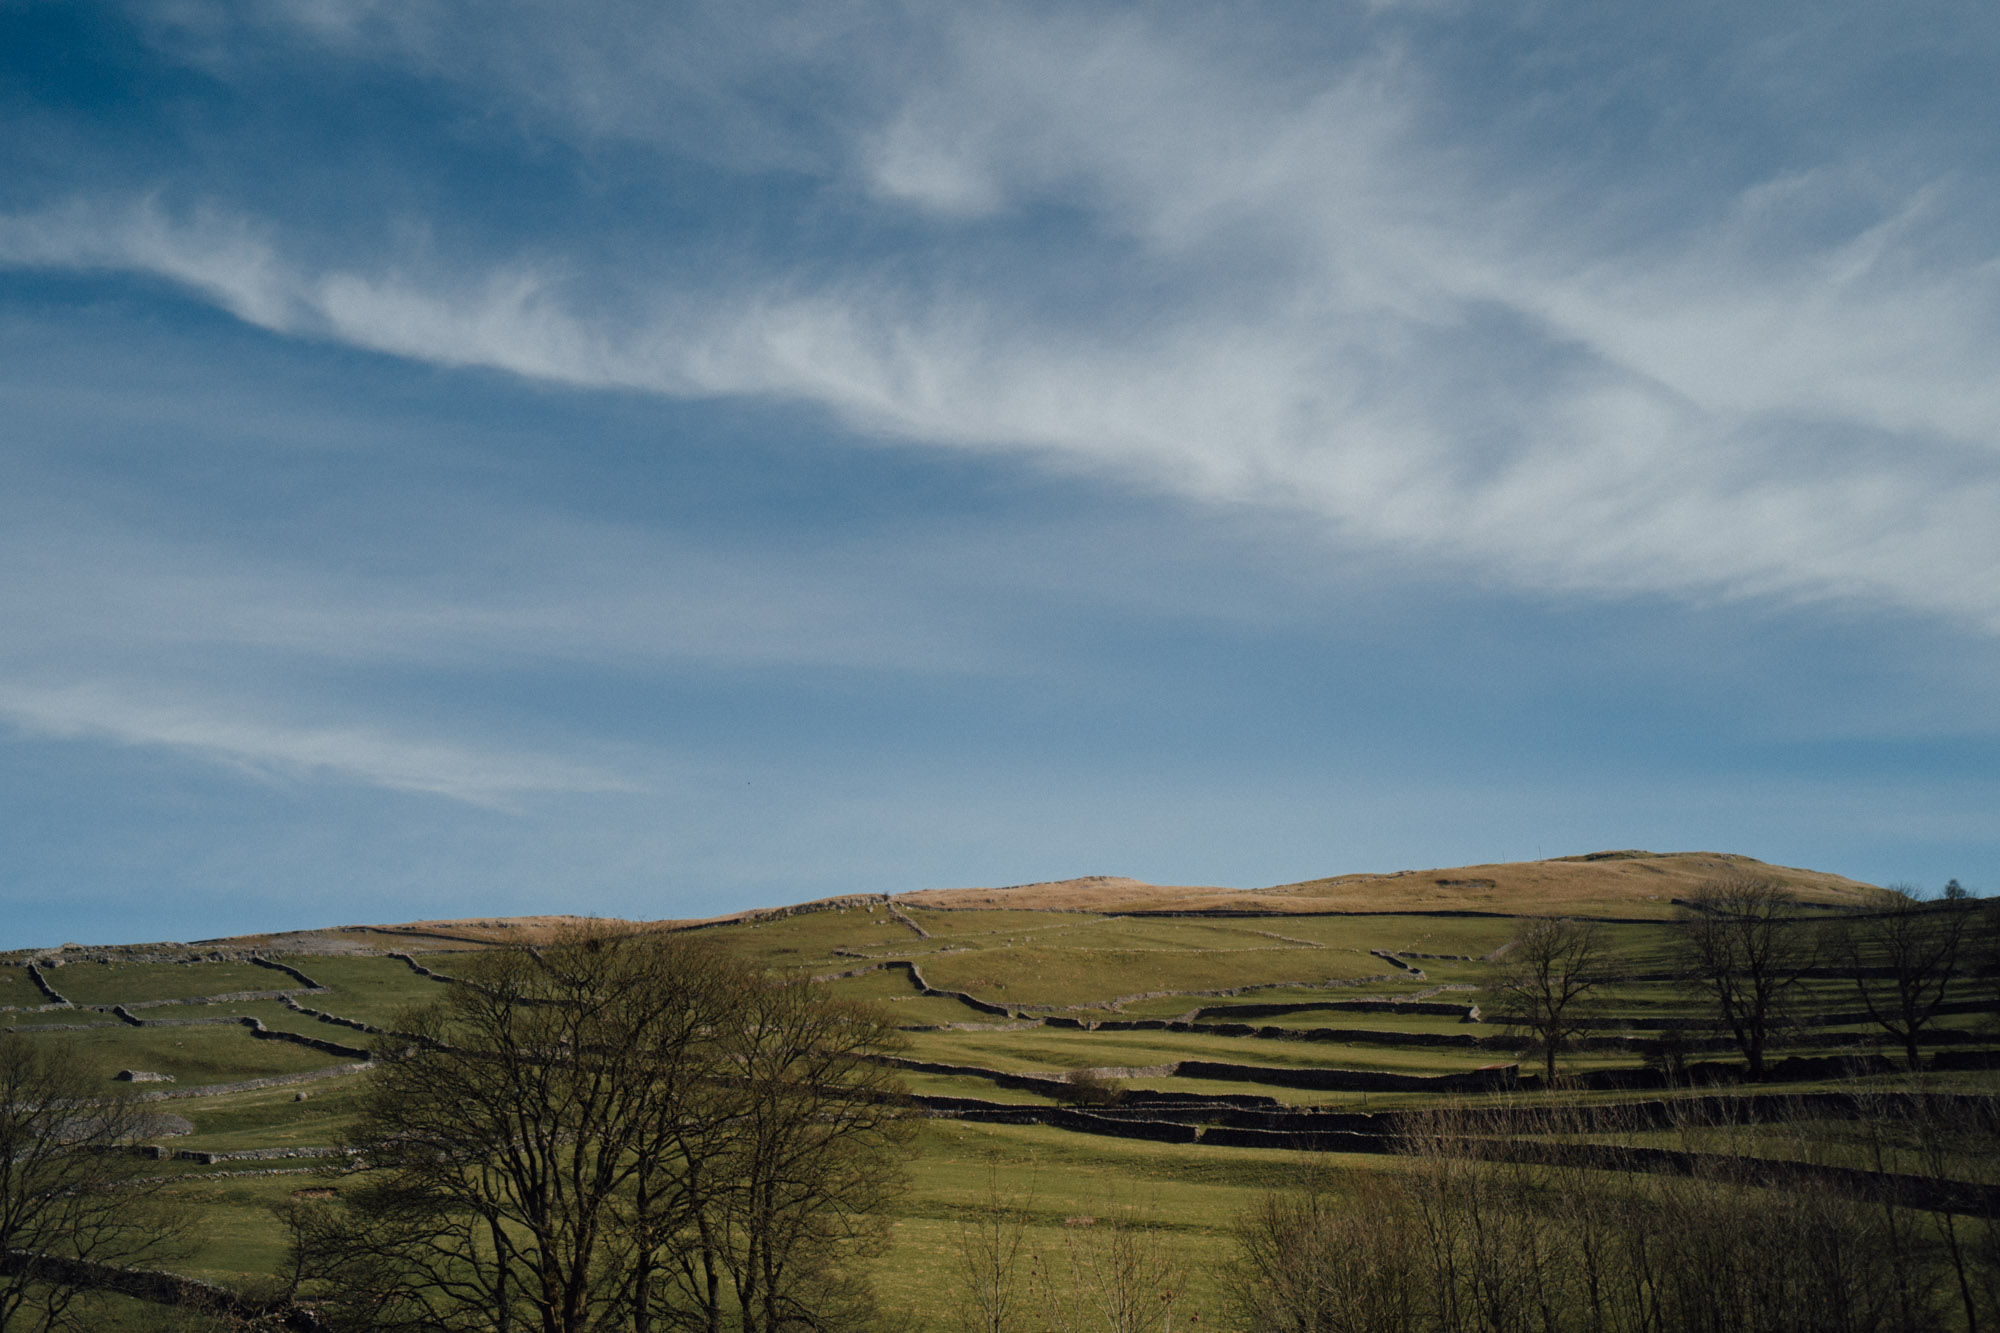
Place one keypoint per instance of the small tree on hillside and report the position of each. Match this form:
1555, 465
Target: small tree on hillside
1742, 943
990, 1251
1543, 987
1089, 1087
1905, 956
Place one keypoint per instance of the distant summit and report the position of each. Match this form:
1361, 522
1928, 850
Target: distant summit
1629, 884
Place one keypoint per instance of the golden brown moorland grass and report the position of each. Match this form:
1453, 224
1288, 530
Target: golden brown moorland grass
1635, 884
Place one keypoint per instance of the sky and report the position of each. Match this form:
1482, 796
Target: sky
654, 460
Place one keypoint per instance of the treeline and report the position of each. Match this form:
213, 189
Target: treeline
620, 1131
1763, 970
1528, 1234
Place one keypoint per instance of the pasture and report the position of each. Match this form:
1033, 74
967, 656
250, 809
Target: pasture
1205, 1023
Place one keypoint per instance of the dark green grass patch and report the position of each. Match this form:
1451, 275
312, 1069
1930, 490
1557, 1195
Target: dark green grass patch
274, 1117
889, 983
1393, 986
1058, 976
373, 990
1421, 1024
240, 1243
18, 990
1188, 934
49, 1019
809, 938
1473, 936
1047, 1049
933, 1010
192, 1055
959, 926
123, 983
955, 1085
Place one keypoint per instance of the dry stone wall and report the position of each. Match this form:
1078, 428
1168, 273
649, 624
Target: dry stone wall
255, 1084
41, 981
166, 1289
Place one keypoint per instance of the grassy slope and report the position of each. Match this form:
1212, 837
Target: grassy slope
1032, 947
191, 1055
18, 990
123, 983
1638, 884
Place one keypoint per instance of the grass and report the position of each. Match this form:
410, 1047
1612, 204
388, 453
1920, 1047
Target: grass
1189, 1195
373, 990
809, 938
192, 1055
957, 1085
239, 1242
58, 1018
123, 983
1045, 1049
1060, 960
1176, 1006
960, 926
934, 1011
273, 1117
889, 983
18, 990
1047, 975
1420, 1024
1475, 936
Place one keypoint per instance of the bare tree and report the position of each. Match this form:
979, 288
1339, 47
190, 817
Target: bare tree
1742, 942
71, 1196
989, 1261
618, 1130
1113, 1275
1542, 988
1905, 956
1473, 1230
499, 1145
1330, 1255
809, 1161
1088, 1087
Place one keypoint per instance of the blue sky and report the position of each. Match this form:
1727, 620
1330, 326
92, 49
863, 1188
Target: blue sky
653, 460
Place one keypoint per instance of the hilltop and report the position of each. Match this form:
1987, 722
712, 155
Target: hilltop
1631, 884
1627, 885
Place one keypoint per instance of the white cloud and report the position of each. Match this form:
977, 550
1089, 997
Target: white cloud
1333, 313
219, 255
142, 716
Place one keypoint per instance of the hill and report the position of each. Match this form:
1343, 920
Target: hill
1172, 1043
1623, 883
1635, 885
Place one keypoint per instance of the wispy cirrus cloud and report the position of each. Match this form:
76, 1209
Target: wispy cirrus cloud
1308, 293
142, 714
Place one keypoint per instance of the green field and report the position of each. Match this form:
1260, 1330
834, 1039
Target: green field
1046, 964
18, 990
124, 983
224, 1053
